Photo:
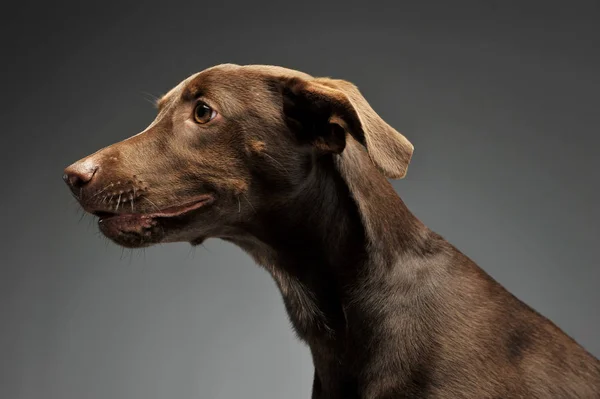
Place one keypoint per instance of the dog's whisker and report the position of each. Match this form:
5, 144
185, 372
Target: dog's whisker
276, 161
152, 203
249, 203
152, 98
206, 249
132, 196
157, 209
191, 251
101, 191
118, 202
90, 220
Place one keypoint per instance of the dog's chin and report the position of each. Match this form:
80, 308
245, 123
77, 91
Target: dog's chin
138, 230
133, 230
198, 241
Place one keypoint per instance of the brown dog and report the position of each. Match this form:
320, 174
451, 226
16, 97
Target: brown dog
294, 170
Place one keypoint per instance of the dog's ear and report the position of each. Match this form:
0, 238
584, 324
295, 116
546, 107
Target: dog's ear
323, 110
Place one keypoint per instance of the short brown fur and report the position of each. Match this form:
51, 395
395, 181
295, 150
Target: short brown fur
293, 169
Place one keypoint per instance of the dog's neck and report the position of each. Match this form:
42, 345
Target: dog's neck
334, 232
348, 257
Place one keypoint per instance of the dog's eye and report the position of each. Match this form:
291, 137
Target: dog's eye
203, 113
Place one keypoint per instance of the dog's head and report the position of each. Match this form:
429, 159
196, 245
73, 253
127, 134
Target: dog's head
227, 143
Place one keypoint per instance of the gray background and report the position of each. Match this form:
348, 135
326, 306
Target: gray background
500, 99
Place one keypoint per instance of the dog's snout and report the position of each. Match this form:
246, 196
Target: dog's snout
80, 173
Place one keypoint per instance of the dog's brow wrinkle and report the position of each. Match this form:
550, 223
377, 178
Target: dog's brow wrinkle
191, 93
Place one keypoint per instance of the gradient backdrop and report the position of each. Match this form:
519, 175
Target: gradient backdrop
501, 100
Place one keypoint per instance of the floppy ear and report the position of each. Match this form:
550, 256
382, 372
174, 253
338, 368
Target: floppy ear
323, 110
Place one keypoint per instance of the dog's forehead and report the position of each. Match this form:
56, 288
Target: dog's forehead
228, 77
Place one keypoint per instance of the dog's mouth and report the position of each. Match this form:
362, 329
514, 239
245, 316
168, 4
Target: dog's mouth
143, 229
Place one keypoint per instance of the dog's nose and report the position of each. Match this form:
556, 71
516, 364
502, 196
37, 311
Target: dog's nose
80, 173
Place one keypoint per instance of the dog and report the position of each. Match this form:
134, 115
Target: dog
294, 170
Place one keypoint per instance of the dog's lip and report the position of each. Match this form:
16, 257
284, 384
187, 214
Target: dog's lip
172, 211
